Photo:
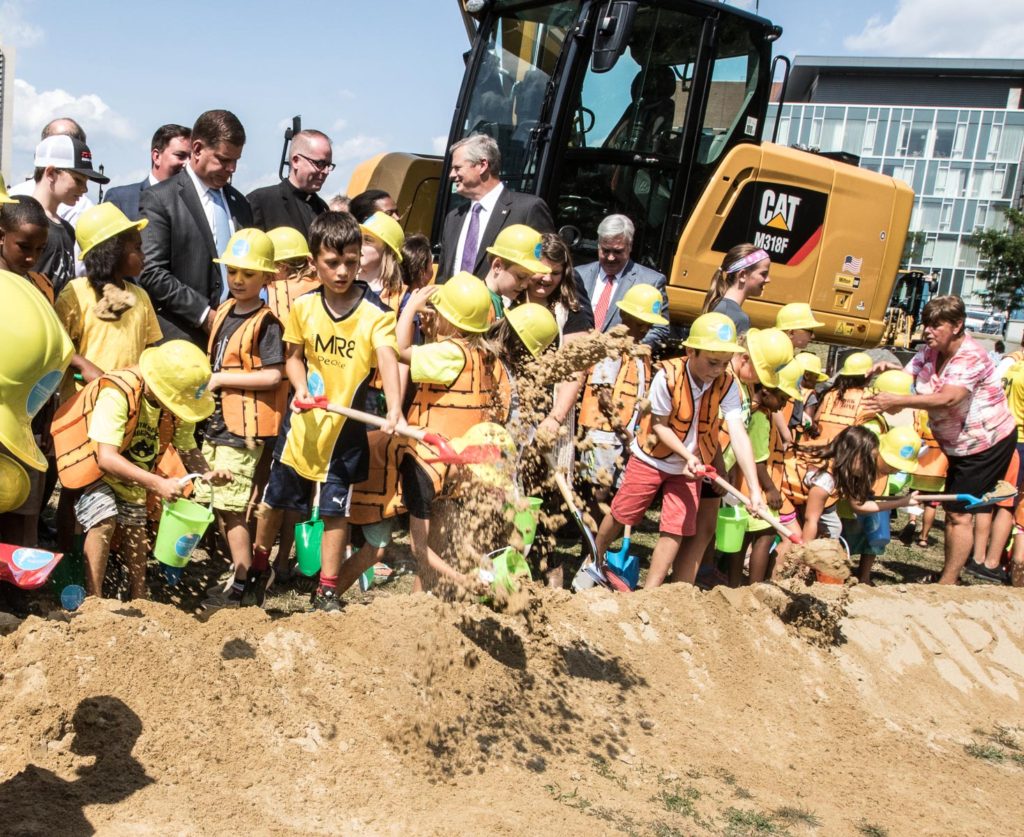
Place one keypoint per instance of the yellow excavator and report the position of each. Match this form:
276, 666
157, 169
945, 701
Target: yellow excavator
657, 109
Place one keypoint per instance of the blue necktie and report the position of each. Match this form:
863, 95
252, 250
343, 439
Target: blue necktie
221, 235
472, 240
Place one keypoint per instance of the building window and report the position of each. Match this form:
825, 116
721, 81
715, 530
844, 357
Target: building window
945, 216
869, 136
959, 140
994, 138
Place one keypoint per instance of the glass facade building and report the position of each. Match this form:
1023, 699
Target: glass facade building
952, 129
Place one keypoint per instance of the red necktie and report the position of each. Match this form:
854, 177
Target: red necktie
601, 309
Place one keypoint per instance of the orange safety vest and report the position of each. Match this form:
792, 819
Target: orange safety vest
251, 414
835, 414
932, 462
281, 293
452, 410
76, 452
43, 284
796, 464
625, 390
379, 496
683, 413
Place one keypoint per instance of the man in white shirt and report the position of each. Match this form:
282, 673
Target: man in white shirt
192, 215
169, 152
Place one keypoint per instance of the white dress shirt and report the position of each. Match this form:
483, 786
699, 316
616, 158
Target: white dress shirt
487, 203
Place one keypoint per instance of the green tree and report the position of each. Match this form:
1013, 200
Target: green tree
1002, 251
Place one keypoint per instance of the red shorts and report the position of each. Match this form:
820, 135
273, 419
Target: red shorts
640, 485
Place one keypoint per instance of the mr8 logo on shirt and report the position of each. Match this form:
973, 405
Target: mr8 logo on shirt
334, 345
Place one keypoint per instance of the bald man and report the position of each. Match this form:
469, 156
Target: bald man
294, 202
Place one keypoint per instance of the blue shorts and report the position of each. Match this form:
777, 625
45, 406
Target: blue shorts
867, 534
288, 491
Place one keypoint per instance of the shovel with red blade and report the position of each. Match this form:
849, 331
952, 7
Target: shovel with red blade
711, 474
469, 455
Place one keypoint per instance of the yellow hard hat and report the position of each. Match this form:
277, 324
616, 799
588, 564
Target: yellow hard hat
36, 352
535, 325
5, 198
796, 315
178, 372
713, 333
498, 474
14, 484
645, 303
770, 350
289, 244
249, 249
899, 448
894, 381
520, 244
811, 363
387, 229
102, 222
465, 302
857, 364
789, 379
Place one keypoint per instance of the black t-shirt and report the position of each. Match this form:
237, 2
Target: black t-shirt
271, 350
57, 263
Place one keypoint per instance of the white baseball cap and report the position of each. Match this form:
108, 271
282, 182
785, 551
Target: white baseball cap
64, 152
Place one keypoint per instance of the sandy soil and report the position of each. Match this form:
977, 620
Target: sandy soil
766, 710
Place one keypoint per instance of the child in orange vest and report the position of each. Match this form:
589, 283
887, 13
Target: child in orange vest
841, 406
609, 410
690, 396
250, 394
108, 438
333, 339
294, 274
457, 379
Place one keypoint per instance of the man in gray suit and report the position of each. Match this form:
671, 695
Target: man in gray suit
168, 153
607, 280
191, 218
471, 228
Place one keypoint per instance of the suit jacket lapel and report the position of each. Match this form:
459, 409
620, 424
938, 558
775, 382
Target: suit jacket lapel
498, 219
195, 207
291, 204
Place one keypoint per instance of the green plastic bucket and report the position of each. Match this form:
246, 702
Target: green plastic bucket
507, 565
731, 528
70, 570
308, 536
182, 524
525, 520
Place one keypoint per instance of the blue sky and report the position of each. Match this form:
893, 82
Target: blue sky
374, 76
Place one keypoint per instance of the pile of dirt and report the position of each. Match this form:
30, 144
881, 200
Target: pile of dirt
664, 712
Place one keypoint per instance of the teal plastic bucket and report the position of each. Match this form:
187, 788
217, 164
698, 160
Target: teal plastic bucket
182, 524
731, 528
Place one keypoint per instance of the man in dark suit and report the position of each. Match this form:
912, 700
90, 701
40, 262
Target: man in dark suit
191, 218
294, 202
470, 229
607, 280
169, 151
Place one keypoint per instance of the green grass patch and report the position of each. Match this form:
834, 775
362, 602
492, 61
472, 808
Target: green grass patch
869, 829
797, 816
749, 823
985, 751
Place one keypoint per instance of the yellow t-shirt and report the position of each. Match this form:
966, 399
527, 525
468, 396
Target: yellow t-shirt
437, 363
110, 344
340, 357
1013, 383
107, 425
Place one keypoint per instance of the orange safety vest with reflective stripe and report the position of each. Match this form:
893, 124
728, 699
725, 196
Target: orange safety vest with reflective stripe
379, 496
625, 390
452, 410
932, 462
796, 465
250, 414
76, 452
835, 414
281, 293
682, 415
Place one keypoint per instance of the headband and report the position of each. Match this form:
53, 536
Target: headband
746, 261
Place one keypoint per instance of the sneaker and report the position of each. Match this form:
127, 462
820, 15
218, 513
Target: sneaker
218, 598
326, 601
255, 590
997, 575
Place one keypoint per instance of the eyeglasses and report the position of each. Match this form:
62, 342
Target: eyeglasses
319, 165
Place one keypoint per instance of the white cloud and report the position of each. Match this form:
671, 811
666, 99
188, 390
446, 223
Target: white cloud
34, 108
338, 125
945, 28
15, 30
358, 147
439, 144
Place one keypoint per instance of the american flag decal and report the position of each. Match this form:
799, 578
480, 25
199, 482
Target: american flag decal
852, 265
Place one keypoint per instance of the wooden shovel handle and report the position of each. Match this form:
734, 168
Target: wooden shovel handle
711, 474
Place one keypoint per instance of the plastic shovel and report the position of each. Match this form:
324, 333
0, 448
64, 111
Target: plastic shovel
710, 473
308, 536
622, 564
972, 501
470, 455
26, 567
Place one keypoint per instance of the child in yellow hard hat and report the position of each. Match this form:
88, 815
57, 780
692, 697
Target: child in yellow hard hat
333, 339
109, 437
798, 322
381, 258
690, 398
294, 276
24, 228
517, 251
250, 397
